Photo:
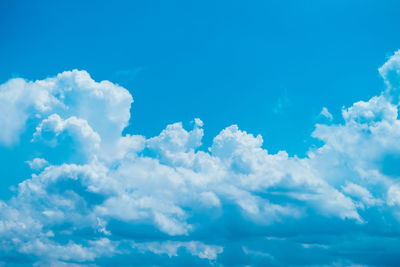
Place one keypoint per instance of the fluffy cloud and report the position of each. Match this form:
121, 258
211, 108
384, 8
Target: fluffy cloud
98, 197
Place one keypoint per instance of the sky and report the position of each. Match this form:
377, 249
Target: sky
260, 133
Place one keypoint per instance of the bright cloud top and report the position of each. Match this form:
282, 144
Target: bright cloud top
96, 196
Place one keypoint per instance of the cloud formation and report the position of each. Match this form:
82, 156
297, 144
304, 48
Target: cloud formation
98, 197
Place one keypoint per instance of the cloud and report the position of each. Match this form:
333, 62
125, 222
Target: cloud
37, 163
390, 72
71, 93
96, 196
54, 127
171, 248
325, 113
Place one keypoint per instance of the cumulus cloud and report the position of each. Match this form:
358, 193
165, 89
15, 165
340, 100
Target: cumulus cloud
390, 72
98, 197
37, 163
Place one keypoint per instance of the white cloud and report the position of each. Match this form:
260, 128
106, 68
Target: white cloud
171, 248
20, 100
105, 106
176, 145
325, 112
390, 72
181, 196
361, 193
51, 128
393, 196
377, 109
37, 163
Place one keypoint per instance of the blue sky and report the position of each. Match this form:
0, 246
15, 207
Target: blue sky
258, 130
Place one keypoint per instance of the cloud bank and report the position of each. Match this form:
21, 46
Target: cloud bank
97, 197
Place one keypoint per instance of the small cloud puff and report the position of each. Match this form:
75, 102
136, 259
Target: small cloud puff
325, 113
37, 164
